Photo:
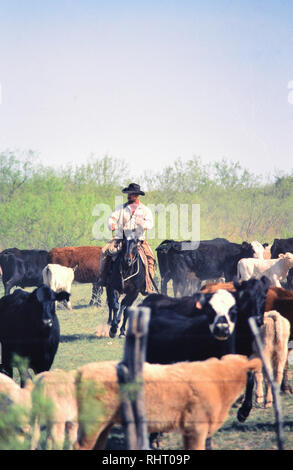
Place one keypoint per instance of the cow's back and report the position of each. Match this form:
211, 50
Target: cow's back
207, 261
23, 266
34, 261
87, 258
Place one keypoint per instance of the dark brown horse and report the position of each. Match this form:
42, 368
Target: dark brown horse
127, 277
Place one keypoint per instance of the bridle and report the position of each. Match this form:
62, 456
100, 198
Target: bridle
132, 275
135, 260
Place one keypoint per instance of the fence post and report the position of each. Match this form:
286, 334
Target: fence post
274, 386
130, 377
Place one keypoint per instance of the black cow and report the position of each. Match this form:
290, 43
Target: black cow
29, 327
189, 283
22, 268
212, 259
190, 329
283, 245
183, 329
187, 306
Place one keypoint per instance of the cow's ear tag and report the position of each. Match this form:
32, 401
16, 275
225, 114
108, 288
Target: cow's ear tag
198, 305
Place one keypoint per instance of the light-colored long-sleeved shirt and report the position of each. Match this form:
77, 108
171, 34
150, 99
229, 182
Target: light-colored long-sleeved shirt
134, 219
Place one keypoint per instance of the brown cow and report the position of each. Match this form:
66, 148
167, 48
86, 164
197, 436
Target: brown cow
58, 389
191, 397
87, 258
11, 395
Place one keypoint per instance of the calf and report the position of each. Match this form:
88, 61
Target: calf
16, 394
283, 245
29, 327
58, 389
275, 334
11, 396
193, 398
275, 270
282, 300
59, 278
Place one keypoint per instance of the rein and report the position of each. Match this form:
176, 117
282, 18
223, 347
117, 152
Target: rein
132, 275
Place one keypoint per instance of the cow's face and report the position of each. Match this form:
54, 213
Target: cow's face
258, 249
46, 299
221, 310
247, 250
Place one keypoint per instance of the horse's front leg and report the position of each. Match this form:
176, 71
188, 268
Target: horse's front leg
126, 302
110, 304
115, 307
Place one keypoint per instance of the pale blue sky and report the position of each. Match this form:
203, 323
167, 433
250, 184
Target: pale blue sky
148, 81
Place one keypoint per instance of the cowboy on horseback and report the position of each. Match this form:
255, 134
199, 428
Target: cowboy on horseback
129, 220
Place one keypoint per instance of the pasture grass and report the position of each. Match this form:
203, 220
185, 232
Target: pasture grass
79, 345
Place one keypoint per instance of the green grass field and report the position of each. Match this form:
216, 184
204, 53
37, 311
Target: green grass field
79, 345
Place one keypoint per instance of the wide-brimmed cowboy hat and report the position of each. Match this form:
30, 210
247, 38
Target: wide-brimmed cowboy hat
133, 188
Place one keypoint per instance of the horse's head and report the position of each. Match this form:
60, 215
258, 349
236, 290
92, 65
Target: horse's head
129, 252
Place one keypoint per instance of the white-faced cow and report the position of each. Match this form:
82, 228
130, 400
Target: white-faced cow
198, 327
59, 278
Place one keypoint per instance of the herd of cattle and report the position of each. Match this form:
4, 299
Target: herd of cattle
219, 258
200, 337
